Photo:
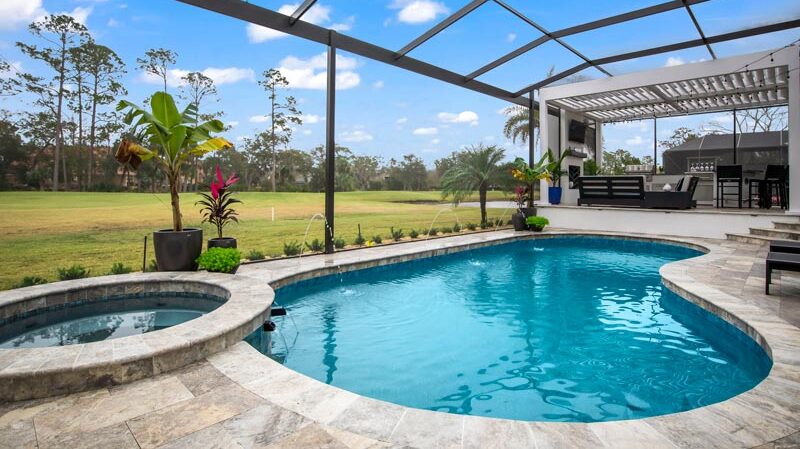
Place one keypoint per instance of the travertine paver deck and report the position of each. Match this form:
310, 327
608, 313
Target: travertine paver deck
239, 398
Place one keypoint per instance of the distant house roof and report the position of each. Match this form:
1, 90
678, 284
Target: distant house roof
746, 141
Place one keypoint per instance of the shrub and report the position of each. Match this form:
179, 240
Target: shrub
315, 245
377, 239
120, 268
360, 240
433, 231
537, 223
413, 234
472, 226
339, 243
447, 230
498, 222
28, 281
152, 266
255, 254
220, 260
73, 272
292, 248
484, 225
396, 235
456, 227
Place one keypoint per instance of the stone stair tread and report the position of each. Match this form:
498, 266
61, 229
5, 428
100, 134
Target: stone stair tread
773, 230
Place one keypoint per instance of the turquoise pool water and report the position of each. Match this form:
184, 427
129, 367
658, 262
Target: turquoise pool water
565, 329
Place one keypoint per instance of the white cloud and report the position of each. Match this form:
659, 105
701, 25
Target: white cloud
258, 119
378, 84
227, 75
317, 15
80, 14
112, 23
355, 136
435, 141
461, 117
511, 37
636, 141
347, 25
312, 74
672, 61
307, 132
418, 11
310, 119
18, 13
401, 120
425, 131
233, 124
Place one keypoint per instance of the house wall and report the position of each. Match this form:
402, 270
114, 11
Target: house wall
694, 223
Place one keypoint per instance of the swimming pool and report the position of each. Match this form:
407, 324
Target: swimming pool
563, 329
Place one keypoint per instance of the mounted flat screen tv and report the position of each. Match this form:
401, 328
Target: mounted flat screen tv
577, 131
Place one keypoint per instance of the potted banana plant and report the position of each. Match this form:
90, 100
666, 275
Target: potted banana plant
169, 138
216, 209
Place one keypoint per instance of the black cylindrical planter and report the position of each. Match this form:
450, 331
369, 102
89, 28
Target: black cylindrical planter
224, 242
178, 250
528, 211
519, 222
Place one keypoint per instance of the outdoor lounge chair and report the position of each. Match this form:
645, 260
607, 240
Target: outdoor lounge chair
611, 191
780, 261
784, 246
680, 198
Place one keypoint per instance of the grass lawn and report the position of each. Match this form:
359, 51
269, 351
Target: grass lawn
44, 231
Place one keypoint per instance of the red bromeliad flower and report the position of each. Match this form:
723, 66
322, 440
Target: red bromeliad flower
219, 186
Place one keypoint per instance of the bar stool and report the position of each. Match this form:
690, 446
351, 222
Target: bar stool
729, 176
773, 184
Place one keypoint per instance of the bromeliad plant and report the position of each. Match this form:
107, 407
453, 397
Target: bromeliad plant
216, 205
170, 138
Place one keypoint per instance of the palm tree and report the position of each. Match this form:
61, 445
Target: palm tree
475, 169
517, 119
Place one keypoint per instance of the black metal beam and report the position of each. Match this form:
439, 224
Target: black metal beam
608, 21
771, 28
699, 29
330, 147
541, 29
439, 27
531, 132
301, 10
267, 18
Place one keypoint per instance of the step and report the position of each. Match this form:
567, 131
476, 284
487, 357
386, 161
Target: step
786, 234
750, 238
783, 225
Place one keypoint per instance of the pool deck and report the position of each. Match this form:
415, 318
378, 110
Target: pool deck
240, 398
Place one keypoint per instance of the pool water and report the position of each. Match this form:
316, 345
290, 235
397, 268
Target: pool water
103, 319
566, 329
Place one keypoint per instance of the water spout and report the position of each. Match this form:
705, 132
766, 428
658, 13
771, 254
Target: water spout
444, 209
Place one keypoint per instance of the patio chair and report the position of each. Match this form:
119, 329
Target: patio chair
681, 198
729, 176
780, 261
784, 246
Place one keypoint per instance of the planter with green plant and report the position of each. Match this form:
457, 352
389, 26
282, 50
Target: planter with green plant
556, 171
537, 224
170, 138
216, 209
220, 260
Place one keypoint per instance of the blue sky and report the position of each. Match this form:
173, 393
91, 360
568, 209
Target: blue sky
382, 110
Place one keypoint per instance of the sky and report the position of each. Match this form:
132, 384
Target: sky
383, 110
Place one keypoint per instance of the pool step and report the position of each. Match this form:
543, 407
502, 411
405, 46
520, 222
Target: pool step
786, 234
783, 225
750, 238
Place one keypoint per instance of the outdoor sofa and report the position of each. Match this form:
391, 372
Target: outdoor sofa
628, 191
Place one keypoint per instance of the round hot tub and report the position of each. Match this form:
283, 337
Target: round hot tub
75, 335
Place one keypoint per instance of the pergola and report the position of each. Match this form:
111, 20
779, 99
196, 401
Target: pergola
294, 25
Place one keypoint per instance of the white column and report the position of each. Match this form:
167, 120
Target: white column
598, 146
544, 139
794, 133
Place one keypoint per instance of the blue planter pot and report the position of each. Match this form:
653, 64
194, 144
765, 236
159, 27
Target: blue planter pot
554, 195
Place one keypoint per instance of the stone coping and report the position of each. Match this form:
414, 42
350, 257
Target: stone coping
767, 412
28, 373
